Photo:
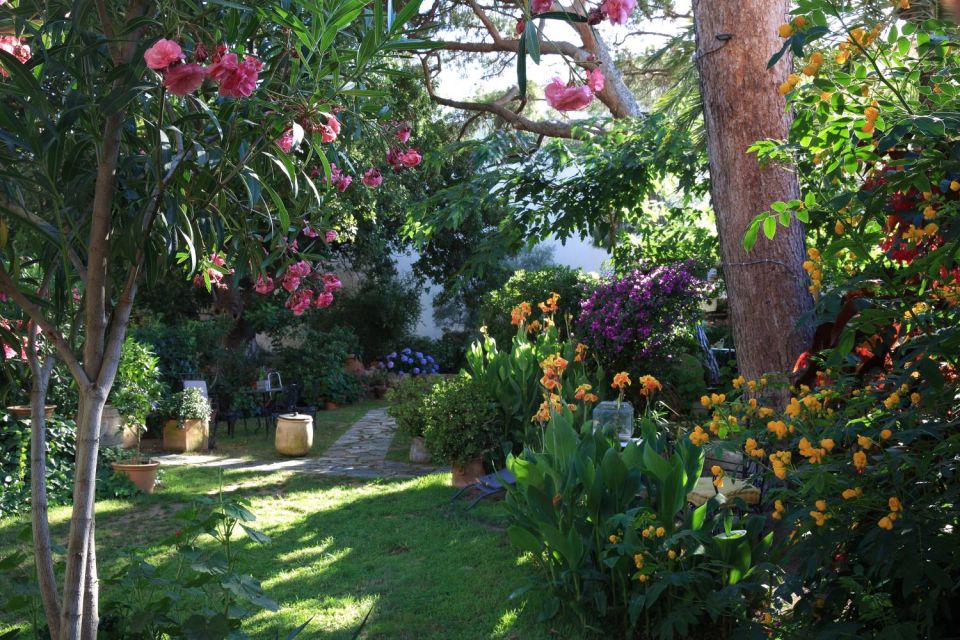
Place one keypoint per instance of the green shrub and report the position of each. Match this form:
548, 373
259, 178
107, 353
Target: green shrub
534, 287
460, 422
406, 400
615, 543
138, 385
189, 404
15, 462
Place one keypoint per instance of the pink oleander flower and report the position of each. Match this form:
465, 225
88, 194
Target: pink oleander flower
410, 158
290, 282
618, 10
237, 79
285, 141
521, 26
324, 299
200, 53
403, 134
217, 259
393, 159
330, 130
330, 236
540, 6
566, 98
310, 232
264, 285
343, 183
301, 269
3, 297
13, 46
595, 80
372, 178
184, 78
162, 54
331, 282
300, 301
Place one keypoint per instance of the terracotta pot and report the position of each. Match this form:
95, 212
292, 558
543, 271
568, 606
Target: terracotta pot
192, 437
467, 473
330, 405
418, 451
143, 475
294, 436
24, 411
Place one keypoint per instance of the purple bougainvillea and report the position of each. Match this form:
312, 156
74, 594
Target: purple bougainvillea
630, 321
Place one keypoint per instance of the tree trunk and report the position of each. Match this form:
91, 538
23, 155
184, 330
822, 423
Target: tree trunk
767, 288
42, 547
92, 399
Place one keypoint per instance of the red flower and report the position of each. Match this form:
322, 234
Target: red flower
372, 178
237, 79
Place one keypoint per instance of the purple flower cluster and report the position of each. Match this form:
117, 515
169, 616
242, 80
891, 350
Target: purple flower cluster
411, 362
640, 316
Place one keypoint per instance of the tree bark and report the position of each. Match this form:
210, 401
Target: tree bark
767, 288
43, 553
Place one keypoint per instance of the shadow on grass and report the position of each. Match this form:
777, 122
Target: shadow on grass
344, 548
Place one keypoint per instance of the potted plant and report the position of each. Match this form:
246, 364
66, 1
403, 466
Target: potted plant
137, 388
188, 421
460, 426
406, 408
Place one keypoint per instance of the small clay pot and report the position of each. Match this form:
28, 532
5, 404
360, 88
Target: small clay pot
24, 410
329, 405
142, 474
464, 474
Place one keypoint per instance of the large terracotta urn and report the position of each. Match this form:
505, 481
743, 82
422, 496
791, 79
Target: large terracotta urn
294, 436
192, 436
464, 474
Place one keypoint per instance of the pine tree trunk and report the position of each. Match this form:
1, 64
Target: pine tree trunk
767, 288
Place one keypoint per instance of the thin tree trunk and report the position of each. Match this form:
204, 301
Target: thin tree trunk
767, 288
91, 591
42, 548
92, 399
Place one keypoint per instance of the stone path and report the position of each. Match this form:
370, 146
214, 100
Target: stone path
358, 453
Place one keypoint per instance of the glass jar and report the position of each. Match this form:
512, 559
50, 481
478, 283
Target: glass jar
615, 418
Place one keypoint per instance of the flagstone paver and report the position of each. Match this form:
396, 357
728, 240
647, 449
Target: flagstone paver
360, 453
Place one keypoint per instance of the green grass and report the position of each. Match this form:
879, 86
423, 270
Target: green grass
399, 450
328, 426
342, 548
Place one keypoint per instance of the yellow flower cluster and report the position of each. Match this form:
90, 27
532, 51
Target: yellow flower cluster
520, 313
779, 461
789, 84
814, 455
621, 381
552, 403
871, 114
718, 475
813, 66
813, 269
778, 428
778, 510
581, 353
638, 561
699, 437
752, 450
583, 393
712, 400
887, 521
649, 385
787, 29
653, 531
850, 494
860, 460
859, 39
917, 234
818, 515
550, 306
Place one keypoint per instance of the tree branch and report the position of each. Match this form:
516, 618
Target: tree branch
8, 286
568, 49
498, 107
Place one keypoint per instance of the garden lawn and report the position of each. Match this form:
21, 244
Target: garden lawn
341, 549
327, 427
